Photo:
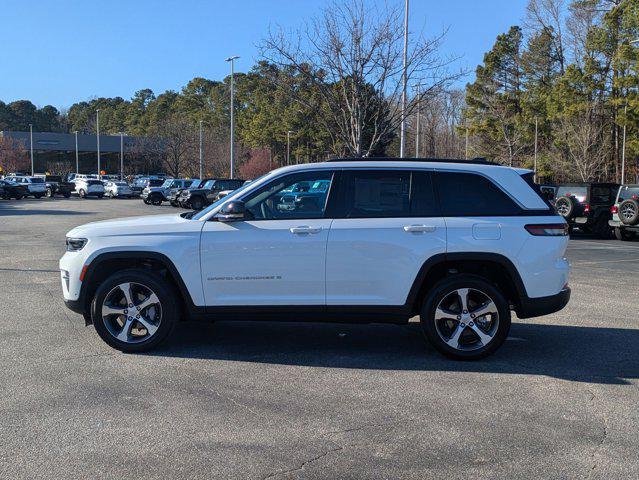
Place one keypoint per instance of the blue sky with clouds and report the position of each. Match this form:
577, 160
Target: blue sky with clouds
62, 51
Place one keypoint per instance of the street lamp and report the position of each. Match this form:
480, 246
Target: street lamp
122, 134
402, 140
97, 136
232, 60
288, 146
31, 145
77, 161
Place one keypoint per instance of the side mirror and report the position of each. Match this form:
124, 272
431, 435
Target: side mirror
232, 211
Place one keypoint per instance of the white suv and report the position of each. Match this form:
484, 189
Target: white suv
459, 243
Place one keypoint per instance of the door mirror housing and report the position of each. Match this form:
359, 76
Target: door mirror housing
232, 211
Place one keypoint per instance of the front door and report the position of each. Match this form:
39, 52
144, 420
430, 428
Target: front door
277, 255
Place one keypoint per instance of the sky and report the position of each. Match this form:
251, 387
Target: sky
59, 52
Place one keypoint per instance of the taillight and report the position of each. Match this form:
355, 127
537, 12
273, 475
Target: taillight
614, 209
586, 207
548, 229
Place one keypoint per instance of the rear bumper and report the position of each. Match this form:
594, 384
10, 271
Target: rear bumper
536, 307
74, 306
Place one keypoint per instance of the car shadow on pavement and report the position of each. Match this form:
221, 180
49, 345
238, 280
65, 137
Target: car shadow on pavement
583, 354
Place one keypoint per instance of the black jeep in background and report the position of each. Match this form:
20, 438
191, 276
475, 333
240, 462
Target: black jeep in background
207, 193
9, 189
586, 206
57, 186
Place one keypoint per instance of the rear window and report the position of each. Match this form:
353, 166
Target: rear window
471, 195
601, 195
580, 193
627, 193
37, 180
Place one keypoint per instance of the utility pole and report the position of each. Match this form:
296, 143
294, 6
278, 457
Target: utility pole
535, 164
623, 144
419, 114
232, 60
31, 146
97, 136
402, 139
201, 154
77, 160
288, 147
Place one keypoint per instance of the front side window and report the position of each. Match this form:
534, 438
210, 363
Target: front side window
290, 197
469, 194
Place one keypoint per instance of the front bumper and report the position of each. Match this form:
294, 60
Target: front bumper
536, 307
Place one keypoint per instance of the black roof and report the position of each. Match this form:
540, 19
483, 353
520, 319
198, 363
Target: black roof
478, 160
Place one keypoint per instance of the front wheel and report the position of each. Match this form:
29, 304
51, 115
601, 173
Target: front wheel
134, 310
49, 193
156, 200
197, 203
82, 193
465, 317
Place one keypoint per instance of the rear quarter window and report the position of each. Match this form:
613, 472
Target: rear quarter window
472, 195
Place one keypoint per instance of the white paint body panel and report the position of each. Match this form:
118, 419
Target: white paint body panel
374, 261
264, 263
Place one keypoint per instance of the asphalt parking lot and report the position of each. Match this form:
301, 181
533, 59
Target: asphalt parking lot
293, 400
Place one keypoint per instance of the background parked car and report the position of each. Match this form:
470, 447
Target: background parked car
86, 187
118, 189
55, 185
549, 192
587, 206
10, 189
157, 195
35, 185
175, 193
141, 182
207, 193
625, 213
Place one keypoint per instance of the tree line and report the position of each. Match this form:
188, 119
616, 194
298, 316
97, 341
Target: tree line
557, 92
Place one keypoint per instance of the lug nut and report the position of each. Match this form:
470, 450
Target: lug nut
458, 317
465, 312
472, 315
471, 324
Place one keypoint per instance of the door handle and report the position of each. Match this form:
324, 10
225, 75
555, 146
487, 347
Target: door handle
305, 230
419, 228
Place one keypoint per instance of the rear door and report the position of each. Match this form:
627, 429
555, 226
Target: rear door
386, 226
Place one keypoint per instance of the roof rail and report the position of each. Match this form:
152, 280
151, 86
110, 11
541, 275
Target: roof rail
476, 160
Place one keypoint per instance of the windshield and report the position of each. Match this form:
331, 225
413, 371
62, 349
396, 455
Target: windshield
225, 199
628, 193
580, 193
208, 184
167, 183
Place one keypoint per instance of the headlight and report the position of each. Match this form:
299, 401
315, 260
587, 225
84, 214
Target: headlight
75, 244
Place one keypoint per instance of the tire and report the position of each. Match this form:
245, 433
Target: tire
111, 326
49, 193
196, 203
82, 193
156, 199
38, 195
602, 229
457, 335
18, 197
146, 201
629, 212
67, 194
623, 234
565, 206
174, 204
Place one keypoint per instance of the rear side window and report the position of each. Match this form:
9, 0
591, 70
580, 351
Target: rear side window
468, 195
377, 194
628, 193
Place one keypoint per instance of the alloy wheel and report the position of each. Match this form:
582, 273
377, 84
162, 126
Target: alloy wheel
131, 312
627, 211
467, 319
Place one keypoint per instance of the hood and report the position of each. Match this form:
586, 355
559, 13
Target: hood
149, 224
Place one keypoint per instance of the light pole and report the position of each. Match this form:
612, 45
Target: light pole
31, 145
77, 160
232, 60
419, 114
121, 155
201, 154
288, 147
97, 136
402, 140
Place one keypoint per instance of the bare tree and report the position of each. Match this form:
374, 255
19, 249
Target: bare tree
13, 156
549, 15
176, 137
352, 57
584, 143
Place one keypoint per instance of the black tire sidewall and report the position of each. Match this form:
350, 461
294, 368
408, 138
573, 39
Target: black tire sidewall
445, 287
156, 199
196, 203
165, 293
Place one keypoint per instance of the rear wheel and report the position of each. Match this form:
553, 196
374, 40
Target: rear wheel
49, 193
133, 310
623, 234
156, 199
465, 317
